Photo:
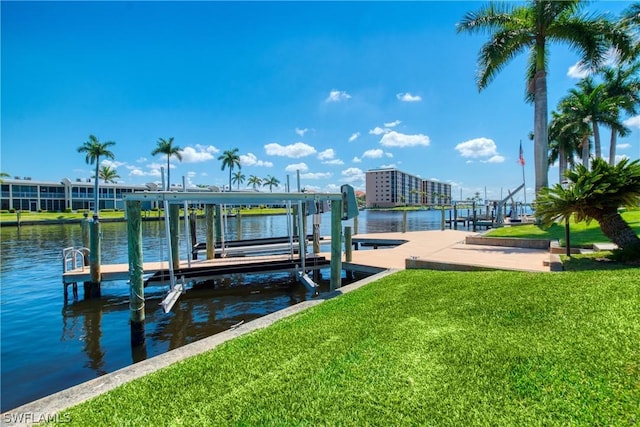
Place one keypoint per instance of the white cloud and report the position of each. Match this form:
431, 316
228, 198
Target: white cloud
356, 160
111, 163
407, 97
633, 122
623, 146
495, 159
621, 157
392, 124
250, 159
396, 139
378, 131
578, 71
387, 166
333, 162
390, 155
297, 150
301, 132
478, 147
141, 160
302, 167
332, 188
153, 170
353, 175
354, 136
337, 96
198, 153
375, 153
317, 175
327, 154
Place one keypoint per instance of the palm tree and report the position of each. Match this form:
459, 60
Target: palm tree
254, 181
165, 146
270, 182
238, 177
107, 174
516, 28
566, 137
622, 85
94, 149
3, 175
596, 194
230, 158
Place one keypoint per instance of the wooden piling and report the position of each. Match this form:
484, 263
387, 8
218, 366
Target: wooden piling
210, 231
404, 221
136, 270
348, 245
193, 223
174, 231
92, 287
336, 244
218, 223
455, 217
442, 217
239, 224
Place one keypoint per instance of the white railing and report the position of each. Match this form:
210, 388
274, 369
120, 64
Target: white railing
72, 258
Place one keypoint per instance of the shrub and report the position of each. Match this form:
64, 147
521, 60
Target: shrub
12, 210
68, 210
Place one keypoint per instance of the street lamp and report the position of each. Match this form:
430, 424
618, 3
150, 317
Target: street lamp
567, 237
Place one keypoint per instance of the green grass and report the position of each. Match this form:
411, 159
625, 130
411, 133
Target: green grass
415, 348
582, 235
62, 216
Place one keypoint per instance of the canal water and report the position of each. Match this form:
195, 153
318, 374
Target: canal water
48, 346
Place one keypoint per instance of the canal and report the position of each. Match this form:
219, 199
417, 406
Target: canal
48, 346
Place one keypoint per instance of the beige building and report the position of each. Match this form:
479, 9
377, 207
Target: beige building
387, 188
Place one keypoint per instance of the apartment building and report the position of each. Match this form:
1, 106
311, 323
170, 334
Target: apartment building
389, 187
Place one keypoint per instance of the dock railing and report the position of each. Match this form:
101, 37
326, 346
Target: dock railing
70, 257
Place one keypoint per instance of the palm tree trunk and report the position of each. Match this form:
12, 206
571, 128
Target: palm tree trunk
95, 190
612, 148
540, 131
168, 168
596, 140
616, 229
562, 166
585, 152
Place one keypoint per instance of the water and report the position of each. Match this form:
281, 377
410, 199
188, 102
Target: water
48, 346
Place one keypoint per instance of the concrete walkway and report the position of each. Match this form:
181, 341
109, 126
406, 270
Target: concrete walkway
437, 247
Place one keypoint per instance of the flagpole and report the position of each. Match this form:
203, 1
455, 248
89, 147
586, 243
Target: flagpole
523, 181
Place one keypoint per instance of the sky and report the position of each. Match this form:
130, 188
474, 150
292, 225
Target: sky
329, 89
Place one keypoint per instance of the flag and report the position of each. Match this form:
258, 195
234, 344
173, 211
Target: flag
521, 155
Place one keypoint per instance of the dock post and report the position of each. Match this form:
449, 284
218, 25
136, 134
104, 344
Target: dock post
218, 222
92, 287
455, 217
193, 223
239, 224
348, 245
316, 233
355, 225
84, 224
136, 269
442, 218
404, 221
210, 231
336, 244
174, 224
475, 217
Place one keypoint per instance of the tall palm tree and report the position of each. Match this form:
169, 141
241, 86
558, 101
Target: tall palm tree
270, 182
622, 85
531, 27
165, 146
254, 181
107, 174
94, 149
238, 177
230, 159
596, 194
566, 137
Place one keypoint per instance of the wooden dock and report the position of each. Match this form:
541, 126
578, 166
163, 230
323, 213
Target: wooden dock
158, 271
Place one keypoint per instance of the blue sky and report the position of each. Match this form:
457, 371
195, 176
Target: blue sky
329, 89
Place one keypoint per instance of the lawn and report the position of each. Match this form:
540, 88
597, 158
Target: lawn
415, 348
582, 235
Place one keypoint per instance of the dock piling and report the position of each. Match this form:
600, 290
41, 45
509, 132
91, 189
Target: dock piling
174, 231
210, 231
92, 287
348, 245
136, 270
336, 244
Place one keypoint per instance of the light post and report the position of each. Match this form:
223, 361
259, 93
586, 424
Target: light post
567, 237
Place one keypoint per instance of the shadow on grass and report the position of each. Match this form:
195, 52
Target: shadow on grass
604, 260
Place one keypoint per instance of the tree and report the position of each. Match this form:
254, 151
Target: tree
166, 147
3, 175
230, 159
254, 181
566, 137
238, 177
622, 87
595, 194
532, 27
270, 182
107, 174
94, 149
